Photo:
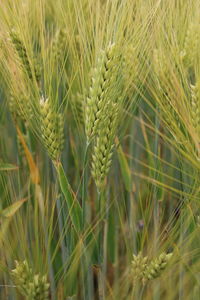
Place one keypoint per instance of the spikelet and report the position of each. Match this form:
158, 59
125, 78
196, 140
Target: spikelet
191, 45
164, 81
198, 221
20, 146
21, 50
39, 288
14, 106
52, 127
131, 68
33, 287
157, 266
22, 276
77, 102
104, 145
103, 89
195, 107
37, 70
59, 44
161, 67
143, 270
139, 265
22, 53
20, 106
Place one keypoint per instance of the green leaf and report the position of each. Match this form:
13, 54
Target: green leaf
125, 170
12, 209
74, 208
7, 167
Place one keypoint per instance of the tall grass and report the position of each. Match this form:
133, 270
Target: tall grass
99, 149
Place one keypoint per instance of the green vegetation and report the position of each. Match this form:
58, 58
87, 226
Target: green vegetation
99, 150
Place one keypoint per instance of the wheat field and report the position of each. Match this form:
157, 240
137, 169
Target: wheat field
99, 150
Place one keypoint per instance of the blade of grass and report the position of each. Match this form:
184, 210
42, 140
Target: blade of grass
74, 208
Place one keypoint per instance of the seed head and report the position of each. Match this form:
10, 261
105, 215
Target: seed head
191, 45
157, 266
52, 127
139, 265
33, 287
103, 89
103, 147
22, 53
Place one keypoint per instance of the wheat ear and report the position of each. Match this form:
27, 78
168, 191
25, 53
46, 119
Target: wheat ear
52, 127
33, 287
157, 266
191, 45
22, 53
139, 265
144, 270
104, 145
102, 89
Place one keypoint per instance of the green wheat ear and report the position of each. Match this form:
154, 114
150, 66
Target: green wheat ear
22, 276
77, 104
59, 44
139, 265
20, 106
52, 127
102, 90
195, 107
191, 45
157, 266
104, 145
143, 270
33, 287
131, 68
162, 71
22, 53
